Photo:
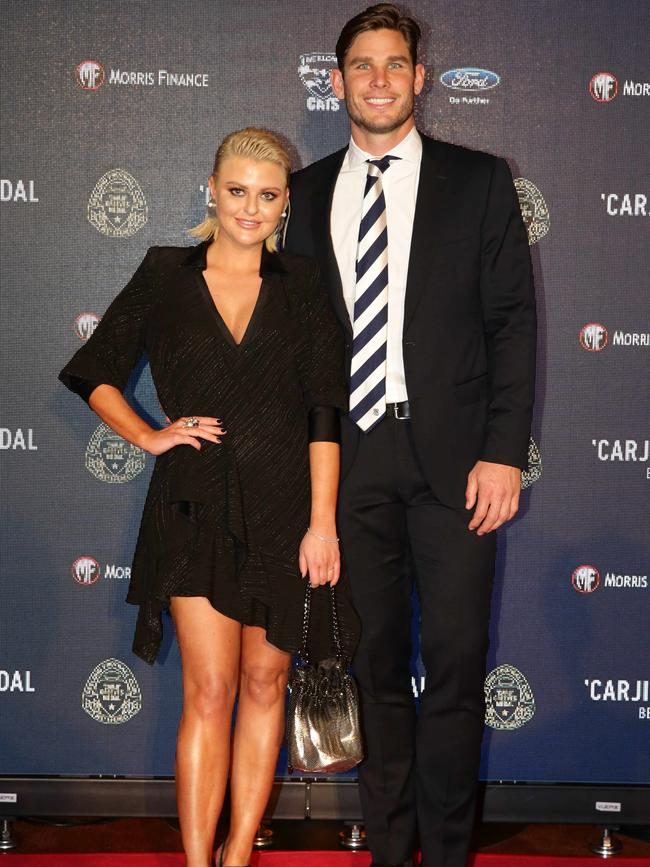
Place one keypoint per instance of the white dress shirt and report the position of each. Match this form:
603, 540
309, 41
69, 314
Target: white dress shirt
400, 183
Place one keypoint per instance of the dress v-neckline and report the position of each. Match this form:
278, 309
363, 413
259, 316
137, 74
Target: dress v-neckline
221, 322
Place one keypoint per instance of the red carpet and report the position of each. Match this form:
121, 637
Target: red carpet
292, 859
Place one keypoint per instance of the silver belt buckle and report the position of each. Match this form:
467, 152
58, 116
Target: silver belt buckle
395, 411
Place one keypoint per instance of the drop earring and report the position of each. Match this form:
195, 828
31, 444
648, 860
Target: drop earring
281, 229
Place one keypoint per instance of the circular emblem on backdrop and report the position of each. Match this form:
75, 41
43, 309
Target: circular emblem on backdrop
86, 570
585, 579
533, 209
90, 75
510, 703
534, 471
593, 337
314, 72
117, 206
112, 459
603, 86
111, 694
85, 324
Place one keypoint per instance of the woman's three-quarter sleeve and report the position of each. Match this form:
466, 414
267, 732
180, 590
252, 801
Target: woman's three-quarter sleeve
324, 425
111, 353
321, 363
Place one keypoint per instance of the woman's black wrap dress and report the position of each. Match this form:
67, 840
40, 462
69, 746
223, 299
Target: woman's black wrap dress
226, 522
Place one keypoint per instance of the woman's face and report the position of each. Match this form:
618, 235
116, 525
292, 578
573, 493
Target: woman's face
250, 196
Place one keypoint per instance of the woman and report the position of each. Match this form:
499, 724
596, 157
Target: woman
246, 357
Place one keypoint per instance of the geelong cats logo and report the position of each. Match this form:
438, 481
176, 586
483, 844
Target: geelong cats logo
314, 72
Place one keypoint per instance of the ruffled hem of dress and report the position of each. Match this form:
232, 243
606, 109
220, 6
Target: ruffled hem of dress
255, 614
208, 554
203, 570
210, 560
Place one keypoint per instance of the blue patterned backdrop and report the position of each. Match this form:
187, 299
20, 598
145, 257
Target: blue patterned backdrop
111, 113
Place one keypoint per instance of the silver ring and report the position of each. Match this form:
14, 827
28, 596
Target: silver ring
192, 421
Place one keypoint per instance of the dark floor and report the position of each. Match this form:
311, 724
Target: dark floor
160, 835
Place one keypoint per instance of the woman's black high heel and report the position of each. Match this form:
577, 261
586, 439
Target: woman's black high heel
221, 851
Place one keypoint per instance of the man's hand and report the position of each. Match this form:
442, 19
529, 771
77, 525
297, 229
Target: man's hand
495, 490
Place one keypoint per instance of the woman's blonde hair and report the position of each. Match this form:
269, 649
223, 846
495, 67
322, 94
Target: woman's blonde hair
254, 144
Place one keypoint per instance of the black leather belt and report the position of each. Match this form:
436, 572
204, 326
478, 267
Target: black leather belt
400, 410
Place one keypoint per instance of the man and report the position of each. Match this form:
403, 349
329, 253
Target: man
426, 256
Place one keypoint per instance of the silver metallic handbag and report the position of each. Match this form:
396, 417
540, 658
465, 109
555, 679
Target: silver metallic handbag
323, 732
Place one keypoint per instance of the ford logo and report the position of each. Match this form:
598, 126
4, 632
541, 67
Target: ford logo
469, 78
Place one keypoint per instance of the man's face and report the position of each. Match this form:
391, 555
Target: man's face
379, 82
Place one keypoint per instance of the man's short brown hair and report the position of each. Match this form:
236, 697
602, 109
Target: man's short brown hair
383, 16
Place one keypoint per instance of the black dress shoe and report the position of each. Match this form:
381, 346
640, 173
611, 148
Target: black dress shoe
408, 863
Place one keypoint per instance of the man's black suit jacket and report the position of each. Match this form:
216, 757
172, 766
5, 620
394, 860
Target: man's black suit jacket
469, 321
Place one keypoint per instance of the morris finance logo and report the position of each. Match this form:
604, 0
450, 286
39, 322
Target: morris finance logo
510, 703
117, 206
90, 75
585, 579
593, 337
470, 80
631, 338
112, 459
111, 694
603, 86
86, 571
636, 88
534, 210
85, 324
314, 72
635, 692
626, 582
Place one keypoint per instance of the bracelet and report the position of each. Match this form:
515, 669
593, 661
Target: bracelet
322, 538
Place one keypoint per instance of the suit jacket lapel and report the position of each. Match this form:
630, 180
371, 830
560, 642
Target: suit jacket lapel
320, 215
431, 211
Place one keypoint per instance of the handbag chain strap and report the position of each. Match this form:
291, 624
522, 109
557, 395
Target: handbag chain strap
336, 633
304, 653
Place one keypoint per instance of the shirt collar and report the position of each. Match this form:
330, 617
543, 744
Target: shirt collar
197, 258
409, 149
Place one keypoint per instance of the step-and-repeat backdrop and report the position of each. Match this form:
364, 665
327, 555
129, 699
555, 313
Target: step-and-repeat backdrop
111, 113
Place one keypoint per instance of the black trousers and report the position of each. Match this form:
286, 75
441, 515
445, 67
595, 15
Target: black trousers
419, 777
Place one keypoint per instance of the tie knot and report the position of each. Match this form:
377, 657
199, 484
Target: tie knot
383, 163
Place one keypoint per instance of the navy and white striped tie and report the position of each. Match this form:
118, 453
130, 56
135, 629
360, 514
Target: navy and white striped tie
370, 319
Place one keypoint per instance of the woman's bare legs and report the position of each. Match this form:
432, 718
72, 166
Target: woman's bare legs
258, 735
210, 649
